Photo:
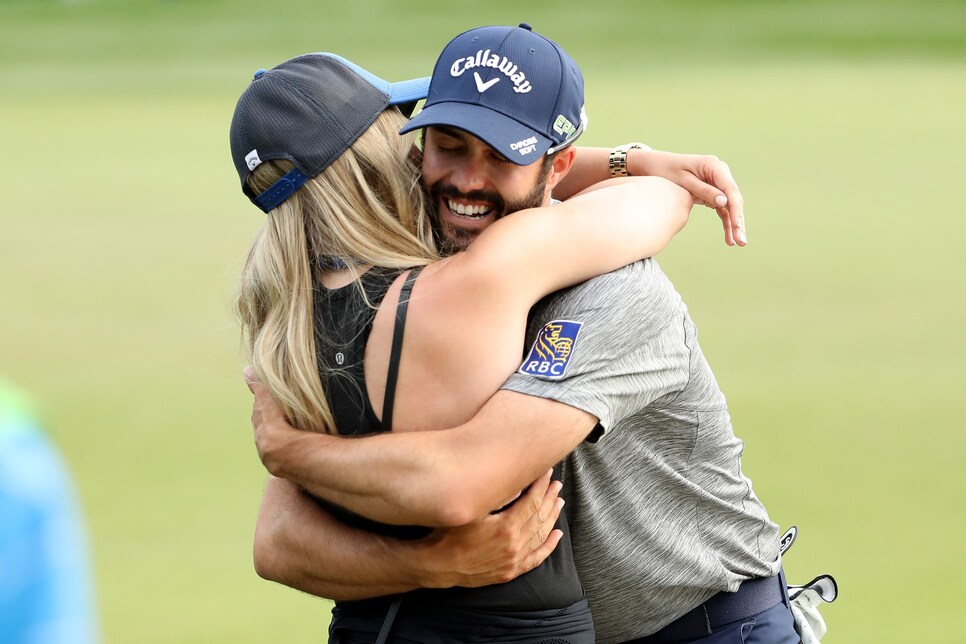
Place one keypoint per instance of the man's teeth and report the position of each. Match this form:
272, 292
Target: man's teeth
468, 211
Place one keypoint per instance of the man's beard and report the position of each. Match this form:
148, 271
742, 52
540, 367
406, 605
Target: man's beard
451, 239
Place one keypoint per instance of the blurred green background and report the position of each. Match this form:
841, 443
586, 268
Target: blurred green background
837, 334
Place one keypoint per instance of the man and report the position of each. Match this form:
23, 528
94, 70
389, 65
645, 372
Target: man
665, 526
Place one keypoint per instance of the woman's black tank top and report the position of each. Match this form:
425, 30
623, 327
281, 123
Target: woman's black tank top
343, 322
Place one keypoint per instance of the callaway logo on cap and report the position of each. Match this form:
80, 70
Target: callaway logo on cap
510, 87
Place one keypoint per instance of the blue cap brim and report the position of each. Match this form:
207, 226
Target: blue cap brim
408, 91
502, 133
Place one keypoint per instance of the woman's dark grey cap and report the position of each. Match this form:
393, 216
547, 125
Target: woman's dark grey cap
309, 110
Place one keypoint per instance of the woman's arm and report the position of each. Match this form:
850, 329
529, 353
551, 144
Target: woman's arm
489, 287
531, 253
706, 177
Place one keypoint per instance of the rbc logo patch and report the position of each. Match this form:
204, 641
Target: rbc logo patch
552, 350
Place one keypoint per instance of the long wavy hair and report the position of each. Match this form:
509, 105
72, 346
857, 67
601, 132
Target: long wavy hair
366, 208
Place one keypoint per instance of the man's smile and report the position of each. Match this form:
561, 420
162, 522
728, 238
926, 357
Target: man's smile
469, 210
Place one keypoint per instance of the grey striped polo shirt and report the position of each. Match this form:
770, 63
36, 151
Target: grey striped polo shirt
661, 515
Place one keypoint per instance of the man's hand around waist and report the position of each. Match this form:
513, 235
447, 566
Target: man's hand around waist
499, 547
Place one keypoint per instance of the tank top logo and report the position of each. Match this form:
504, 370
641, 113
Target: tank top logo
551, 350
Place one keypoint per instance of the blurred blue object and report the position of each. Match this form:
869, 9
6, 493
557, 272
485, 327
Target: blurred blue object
46, 594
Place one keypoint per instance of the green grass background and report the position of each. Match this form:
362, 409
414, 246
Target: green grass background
837, 334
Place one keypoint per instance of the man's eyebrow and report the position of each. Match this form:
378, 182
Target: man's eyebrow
451, 132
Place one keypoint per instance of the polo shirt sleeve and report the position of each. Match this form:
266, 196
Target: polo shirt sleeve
610, 346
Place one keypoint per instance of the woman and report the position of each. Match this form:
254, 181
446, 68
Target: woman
327, 283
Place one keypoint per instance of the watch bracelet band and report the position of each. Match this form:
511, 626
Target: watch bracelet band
617, 163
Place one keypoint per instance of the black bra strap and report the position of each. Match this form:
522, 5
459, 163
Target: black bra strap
397, 338
390, 618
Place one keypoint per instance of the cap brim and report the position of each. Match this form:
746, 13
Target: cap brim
518, 143
408, 91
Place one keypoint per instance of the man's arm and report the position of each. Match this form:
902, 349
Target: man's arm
300, 545
433, 478
706, 177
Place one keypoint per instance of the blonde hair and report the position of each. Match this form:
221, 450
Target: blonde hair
366, 208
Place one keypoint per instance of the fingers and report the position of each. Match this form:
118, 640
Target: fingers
536, 513
728, 208
731, 208
552, 503
550, 518
704, 193
538, 556
542, 521
736, 219
254, 386
713, 185
542, 536
249, 374
533, 500
729, 230
266, 412
263, 399
251, 378
502, 546
741, 236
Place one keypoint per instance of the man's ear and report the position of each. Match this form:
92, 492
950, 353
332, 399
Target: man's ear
563, 160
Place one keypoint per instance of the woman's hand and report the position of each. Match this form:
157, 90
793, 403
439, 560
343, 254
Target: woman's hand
706, 177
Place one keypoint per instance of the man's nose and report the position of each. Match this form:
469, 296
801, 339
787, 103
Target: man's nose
469, 174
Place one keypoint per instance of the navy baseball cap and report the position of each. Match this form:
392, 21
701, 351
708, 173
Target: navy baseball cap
514, 89
309, 110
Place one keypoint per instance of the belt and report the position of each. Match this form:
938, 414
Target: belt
752, 597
